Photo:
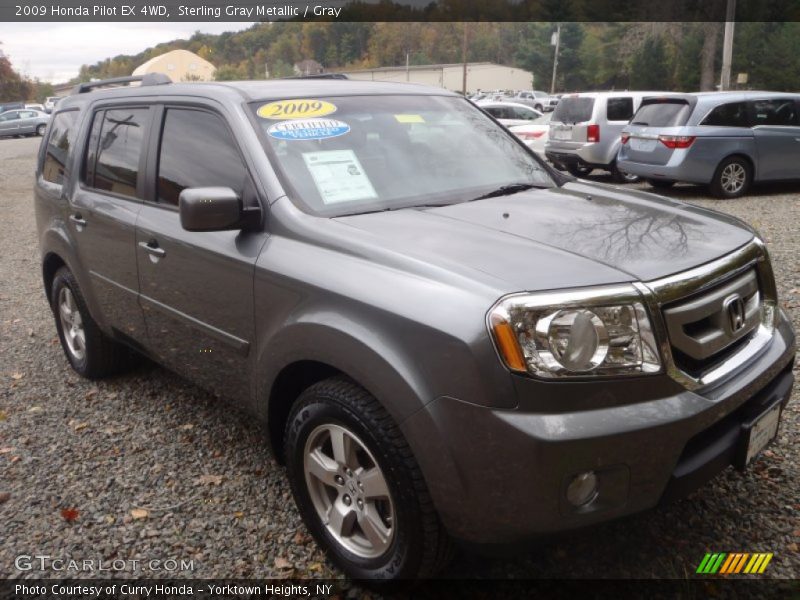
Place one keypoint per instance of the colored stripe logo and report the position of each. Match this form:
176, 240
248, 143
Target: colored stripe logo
722, 563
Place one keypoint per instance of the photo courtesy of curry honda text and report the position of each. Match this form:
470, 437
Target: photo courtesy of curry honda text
447, 339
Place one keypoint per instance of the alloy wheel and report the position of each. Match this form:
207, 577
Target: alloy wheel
349, 491
71, 324
733, 177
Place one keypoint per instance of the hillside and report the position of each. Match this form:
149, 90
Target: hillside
593, 55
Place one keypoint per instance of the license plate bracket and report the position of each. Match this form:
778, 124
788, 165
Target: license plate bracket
757, 434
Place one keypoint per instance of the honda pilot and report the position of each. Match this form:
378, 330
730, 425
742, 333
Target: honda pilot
446, 339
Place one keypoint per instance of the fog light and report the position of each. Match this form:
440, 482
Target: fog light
582, 490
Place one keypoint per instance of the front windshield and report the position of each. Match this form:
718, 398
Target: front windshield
354, 154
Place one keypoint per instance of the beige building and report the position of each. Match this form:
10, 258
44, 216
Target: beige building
480, 76
179, 65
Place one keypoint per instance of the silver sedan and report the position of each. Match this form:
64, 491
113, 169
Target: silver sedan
23, 122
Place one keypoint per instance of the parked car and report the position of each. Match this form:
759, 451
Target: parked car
541, 101
726, 140
35, 106
585, 130
50, 103
11, 106
510, 113
23, 122
535, 134
445, 337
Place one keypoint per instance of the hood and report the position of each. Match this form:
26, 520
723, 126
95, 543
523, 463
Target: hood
580, 234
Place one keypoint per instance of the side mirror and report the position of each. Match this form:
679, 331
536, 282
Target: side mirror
210, 209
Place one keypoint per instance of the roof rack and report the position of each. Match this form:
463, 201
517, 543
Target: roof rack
319, 76
146, 79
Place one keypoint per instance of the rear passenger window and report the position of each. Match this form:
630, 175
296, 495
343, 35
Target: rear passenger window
197, 150
118, 150
733, 114
59, 142
780, 111
619, 109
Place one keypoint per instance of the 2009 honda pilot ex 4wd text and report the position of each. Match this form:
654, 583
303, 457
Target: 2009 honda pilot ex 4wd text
447, 339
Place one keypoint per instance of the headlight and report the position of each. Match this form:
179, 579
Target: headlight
575, 333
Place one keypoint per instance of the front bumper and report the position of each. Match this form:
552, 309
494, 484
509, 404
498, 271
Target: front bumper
500, 476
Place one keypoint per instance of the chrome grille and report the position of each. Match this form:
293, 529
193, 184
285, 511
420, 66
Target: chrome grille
681, 288
703, 327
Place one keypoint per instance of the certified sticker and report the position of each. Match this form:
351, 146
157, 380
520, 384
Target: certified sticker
296, 109
308, 129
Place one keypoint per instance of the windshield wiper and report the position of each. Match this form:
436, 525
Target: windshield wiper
506, 190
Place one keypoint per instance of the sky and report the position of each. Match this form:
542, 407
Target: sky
54, 52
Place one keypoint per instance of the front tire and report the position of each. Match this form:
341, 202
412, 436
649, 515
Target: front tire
40, 129
359, 488
732, 178
89, 351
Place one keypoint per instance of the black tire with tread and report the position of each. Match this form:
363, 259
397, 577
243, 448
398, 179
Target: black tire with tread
103, 356
40, 130
715, 187
421, 546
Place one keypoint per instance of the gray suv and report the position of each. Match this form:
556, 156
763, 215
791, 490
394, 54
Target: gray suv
446, 339
726, 140
585, 132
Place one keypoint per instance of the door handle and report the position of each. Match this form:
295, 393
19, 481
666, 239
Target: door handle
78, 220
153, 249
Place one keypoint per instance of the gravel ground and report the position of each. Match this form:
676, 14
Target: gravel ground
146, 466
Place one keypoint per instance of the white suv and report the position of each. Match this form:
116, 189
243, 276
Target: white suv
585, 131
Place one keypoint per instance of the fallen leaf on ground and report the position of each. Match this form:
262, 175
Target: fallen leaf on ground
186, 427
4, 497
3, 415
7, 449
17, 376
238, 514
35, 409
78, 425
793, 547
282, 563
69, 514
139, 513
209, 480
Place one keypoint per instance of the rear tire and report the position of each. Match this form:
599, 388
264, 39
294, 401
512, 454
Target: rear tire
402, 536
661, 183
622, 177
89, 351
579, 170
732, 178
40, 129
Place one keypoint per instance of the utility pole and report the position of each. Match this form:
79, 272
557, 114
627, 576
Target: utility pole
727, 46
557, 36
464, 60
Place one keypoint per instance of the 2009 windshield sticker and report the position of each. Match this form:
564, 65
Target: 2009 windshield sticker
308, 129
302, 108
